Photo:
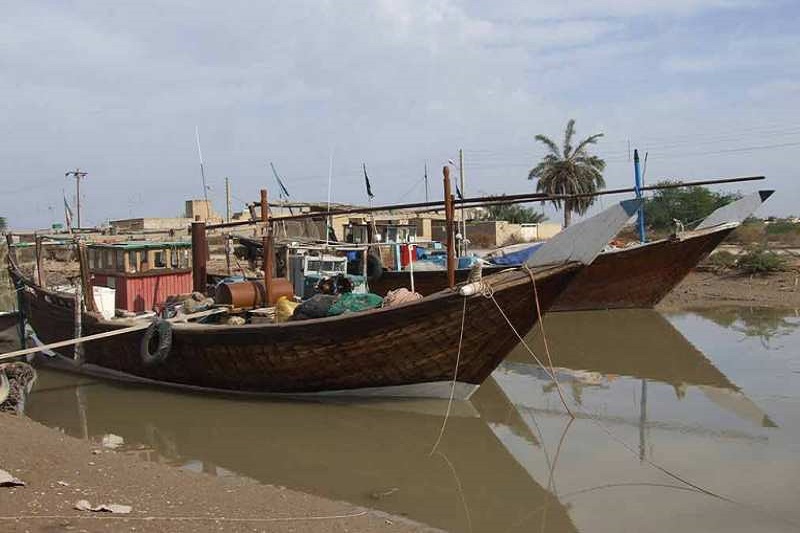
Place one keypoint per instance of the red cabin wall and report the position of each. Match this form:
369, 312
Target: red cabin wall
142, 292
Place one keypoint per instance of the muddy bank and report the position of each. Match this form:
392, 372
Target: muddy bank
60, 470
706, 289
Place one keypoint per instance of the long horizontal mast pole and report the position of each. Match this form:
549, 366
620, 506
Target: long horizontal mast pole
487, 200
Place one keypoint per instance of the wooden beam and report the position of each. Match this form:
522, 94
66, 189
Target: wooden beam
449, 227
199, 256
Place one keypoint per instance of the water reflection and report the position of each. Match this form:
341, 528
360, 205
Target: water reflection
511, 460
615, 356
374, 454
763, 323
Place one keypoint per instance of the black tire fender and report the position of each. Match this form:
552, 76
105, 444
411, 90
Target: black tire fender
163, 329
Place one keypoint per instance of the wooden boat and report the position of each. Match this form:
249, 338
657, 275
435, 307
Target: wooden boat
409, 349
639, 276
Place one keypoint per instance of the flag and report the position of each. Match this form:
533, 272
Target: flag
366, 180
67, 214
284, 191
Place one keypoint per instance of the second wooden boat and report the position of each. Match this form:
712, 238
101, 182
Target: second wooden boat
638, 276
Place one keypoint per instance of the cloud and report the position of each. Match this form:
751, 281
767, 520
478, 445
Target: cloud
118, 89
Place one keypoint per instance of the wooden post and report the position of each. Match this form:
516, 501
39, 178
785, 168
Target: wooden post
86, 280
268, 253
463, 195
78, 320
449, 213
228, 246
227, 200
39, 260
264, 207
199, 255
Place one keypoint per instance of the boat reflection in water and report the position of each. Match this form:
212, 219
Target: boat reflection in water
603, 353
376, 454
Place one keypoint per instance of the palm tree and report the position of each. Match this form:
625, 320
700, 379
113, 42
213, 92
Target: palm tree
569, 171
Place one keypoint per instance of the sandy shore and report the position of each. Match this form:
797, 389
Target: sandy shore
60, 470
706, 289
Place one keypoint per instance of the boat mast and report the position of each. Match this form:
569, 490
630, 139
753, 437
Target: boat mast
449, 227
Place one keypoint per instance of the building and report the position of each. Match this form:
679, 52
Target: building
201, 210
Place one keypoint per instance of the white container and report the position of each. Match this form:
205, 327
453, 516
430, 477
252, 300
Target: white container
105, 298
105, 301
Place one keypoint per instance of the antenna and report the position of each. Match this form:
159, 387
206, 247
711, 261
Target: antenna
202, 168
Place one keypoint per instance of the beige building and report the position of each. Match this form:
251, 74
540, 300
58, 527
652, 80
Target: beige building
202, 209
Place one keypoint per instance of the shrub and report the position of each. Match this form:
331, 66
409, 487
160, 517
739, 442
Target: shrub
721, 261
751, 232
759, 260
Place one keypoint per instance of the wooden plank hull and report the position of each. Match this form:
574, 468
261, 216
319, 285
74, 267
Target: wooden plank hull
640, 276
637, 277
405, 346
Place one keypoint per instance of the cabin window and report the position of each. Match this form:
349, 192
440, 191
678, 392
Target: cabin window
133, 262
160, 259
173, 258
109, 259
119, 259
92, 259
184, 258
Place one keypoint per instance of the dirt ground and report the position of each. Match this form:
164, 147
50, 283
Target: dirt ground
706, 289
60, 470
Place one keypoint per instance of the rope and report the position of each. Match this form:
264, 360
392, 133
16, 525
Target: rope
453, 384
182, 518
540, 320
70, 342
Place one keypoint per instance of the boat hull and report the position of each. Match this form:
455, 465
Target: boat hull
410, 349
637, 277
640, 276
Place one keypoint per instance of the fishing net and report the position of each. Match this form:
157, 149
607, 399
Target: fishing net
351, 303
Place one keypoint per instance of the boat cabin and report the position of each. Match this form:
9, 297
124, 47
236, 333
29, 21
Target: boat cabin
143, 274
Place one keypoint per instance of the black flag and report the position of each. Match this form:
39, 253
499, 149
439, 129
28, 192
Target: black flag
366, 180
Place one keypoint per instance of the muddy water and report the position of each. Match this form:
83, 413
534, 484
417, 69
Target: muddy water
712, 397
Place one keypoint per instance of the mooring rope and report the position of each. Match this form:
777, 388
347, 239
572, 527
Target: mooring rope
489, 293
453, 384
540, 320
126, 517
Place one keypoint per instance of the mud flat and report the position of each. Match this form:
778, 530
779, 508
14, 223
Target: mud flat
60, 470
706, 289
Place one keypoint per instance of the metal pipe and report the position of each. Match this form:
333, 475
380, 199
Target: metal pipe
490, 200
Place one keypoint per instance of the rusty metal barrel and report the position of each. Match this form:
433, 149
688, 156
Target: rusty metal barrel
252, 294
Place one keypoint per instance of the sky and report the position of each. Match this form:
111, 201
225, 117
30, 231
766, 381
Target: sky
707, 88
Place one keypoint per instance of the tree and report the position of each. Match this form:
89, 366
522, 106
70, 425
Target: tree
569, 171
686, 204
516, 214
3, 224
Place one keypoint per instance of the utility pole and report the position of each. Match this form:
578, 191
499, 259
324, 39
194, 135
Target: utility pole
227, 200
463, 195
78, 175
